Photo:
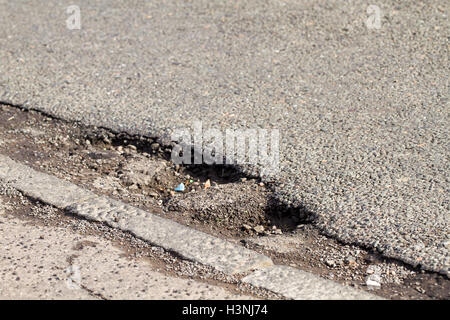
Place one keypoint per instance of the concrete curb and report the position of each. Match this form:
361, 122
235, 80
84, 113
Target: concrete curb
189, 243
300, 285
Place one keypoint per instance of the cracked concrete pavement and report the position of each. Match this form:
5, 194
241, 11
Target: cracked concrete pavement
363, 114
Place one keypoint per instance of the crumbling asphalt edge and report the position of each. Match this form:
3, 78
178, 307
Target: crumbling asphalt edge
187, 242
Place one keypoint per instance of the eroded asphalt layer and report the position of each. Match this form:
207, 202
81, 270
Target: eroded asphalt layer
363, 113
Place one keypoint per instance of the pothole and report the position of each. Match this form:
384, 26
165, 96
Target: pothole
138, 170
219, 200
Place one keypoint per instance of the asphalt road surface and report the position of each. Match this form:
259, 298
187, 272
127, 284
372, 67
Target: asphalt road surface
42, 262
363, 112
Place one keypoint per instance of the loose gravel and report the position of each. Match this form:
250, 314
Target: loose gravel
363, 113
218, 201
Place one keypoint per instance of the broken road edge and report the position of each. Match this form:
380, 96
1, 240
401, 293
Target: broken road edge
187, 242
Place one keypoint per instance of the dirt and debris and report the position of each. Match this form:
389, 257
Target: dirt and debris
135, 171
226, 205
33, 212
216, 199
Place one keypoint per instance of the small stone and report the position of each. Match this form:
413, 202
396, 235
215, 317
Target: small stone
153, 194
246, 227
133, 187
207, 184
259, 229
373, 269
330, 263
277, 231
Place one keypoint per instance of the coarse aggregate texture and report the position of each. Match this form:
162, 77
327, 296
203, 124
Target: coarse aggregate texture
38, 185
363, 113
299, 285
195, 245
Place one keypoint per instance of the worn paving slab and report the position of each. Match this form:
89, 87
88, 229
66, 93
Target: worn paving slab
363, 113
39, 262
299, 285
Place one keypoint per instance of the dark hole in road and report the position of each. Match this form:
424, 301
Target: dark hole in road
61, 148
